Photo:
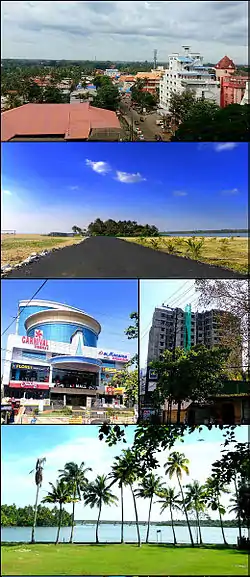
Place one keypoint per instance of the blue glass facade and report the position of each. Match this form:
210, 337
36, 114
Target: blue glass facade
27, 312
63, 332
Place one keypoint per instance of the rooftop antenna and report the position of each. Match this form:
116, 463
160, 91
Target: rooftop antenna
155, 58
186, 49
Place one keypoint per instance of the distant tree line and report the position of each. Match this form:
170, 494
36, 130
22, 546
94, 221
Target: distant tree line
117, 228
13, 516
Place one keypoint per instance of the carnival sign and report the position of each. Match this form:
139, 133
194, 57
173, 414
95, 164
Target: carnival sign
37, 341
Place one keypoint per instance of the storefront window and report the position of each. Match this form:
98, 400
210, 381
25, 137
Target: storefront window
35, 373
74, 379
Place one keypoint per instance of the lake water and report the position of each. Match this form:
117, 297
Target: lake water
112, 533
208, 234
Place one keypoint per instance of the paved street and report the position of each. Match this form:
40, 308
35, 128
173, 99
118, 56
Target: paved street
108, 257
148, 127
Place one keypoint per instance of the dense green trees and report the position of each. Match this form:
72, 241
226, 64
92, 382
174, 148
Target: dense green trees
230, 124
194, 375
12, 516
141, 97
120, 228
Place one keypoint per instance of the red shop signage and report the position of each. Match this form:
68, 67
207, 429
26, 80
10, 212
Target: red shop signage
37, 342
27, 385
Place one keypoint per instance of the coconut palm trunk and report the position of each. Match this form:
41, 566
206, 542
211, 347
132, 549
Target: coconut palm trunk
35, 516
97, 524
185, 511
238, 515
221, 524
136, 517
149, 515
198, 525
122, 509
172, 523
73, 519
59, 524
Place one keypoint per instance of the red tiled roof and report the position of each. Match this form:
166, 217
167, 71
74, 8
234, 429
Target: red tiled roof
71, 120
225, 63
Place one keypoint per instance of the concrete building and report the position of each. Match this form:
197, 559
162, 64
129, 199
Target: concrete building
152, 80
187, 72
169, 328
54, 357
234, 90
112, 72
245, 99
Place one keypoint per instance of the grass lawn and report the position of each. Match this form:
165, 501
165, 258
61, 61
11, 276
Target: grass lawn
233, 254
65, 559
16, 248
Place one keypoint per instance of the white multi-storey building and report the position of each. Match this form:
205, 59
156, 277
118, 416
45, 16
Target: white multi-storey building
188, 72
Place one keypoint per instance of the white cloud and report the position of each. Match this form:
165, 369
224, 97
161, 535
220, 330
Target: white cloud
100, 166
231, 191
129, 178
180, 193
74, 188
7, 192
123, 30
222, 146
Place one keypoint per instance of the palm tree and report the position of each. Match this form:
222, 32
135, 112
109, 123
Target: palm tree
237, 510
118, 475
214, 489
172, 502
75, 477
195, 499
130, 473
60, 493
96, 494
38, 481
150, 486
176, 465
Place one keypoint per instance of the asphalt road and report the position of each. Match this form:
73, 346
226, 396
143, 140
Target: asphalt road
148, 126
108, 257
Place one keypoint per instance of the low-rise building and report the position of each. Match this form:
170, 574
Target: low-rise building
151, 79
234, 90
60, 122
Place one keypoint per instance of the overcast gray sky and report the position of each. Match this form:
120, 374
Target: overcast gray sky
119, 30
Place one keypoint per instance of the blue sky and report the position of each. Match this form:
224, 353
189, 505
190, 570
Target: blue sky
109, 301
174, 186
22, 445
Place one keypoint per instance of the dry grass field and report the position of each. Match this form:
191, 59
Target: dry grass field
231, 252
16, 248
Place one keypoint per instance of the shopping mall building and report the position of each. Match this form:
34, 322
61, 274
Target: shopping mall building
54, 357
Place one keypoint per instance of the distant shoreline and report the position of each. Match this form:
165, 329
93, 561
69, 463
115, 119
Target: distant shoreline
197, 232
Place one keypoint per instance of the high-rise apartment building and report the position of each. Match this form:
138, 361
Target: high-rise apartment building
170, 327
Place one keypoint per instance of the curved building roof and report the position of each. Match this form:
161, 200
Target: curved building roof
57, 312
